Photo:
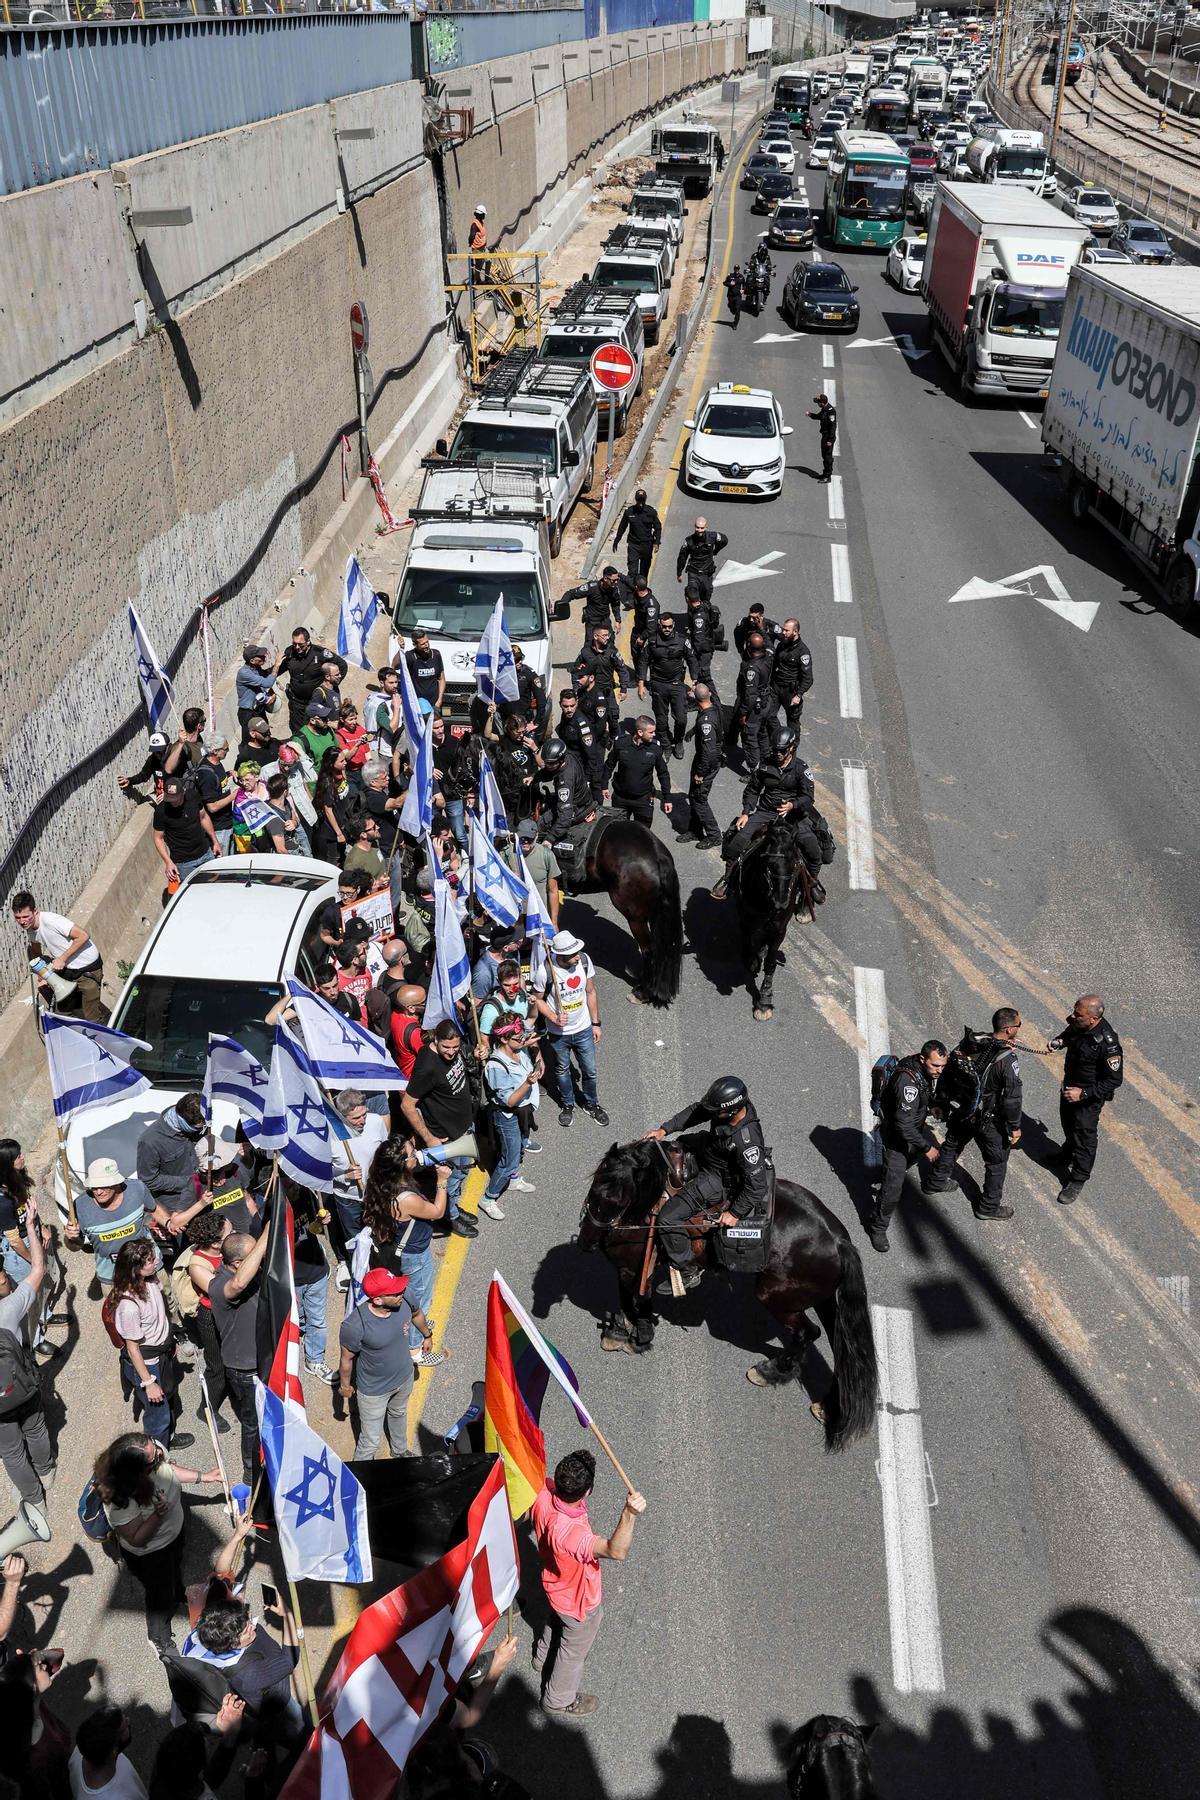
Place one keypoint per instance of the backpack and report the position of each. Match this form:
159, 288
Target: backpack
960, 1085
824, 837
108, 1318
92, 1515
186, 1297
882, 1070
18, 1375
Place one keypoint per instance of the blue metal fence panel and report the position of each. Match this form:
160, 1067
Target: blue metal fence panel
453, 40
79, 99
635, 15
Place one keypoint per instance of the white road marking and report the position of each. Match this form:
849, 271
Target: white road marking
1177, 1288
827, 356
837, 499
752, 571
870, 1015
860, 841
916, 1629
1032, 423
849, 686
1080, 613
839, 556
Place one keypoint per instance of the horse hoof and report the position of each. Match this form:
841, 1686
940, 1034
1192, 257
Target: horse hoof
817, 1411
611, 1343
756, 1376
764, 1012
634, 998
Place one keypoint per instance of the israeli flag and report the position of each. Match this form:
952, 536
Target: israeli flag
495, 666
451, 977
496, 888
89, 1065
538, 923
343, 1053
231, 1073
414, 720
416, 815
320, 1505
492, 815
157, 691
360, 609
294, 1121
433, 859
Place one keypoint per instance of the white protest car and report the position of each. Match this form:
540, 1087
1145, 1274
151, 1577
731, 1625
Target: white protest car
736, 446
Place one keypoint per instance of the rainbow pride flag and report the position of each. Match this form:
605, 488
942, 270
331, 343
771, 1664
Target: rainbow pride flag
521, 1362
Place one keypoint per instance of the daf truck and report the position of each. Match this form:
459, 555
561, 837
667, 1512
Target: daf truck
1123, 415
994, 281
687, 153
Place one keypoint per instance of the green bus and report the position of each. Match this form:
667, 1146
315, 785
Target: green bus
865, 186
793, 95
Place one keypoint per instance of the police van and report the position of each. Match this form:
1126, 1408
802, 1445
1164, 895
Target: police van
637, 263
659, 198
534, 413
586, 318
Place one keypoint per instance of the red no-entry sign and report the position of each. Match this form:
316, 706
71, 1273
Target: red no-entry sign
613, 367
359, 327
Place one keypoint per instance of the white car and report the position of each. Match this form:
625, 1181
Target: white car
835, 120
822, 145
1094, 207
1100, 253
781, 150
905, 260
736, 446
215, 960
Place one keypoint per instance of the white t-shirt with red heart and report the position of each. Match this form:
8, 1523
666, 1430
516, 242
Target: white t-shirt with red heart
571, 995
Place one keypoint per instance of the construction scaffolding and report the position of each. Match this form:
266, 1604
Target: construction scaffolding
505, 298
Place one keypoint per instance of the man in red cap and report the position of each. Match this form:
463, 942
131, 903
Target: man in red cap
377, 1361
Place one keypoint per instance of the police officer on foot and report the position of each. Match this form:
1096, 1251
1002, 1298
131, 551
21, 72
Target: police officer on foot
706, 766
705, 631
1094, 1070
644, 528
826, 417
753, 713
577, 732
904, 1106
698, 555
995, 1124
601, 600
791, 672
733, 292
668, 664
734, 1178
634, 762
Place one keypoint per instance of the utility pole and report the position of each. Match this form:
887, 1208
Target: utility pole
1060, 86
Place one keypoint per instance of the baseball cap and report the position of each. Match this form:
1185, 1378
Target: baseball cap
256, 722
378, 1282
158, 740
317, 710
357, 931
249, 650
104, 1173
527, 830
173, 789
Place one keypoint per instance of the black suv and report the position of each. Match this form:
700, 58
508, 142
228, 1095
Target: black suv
821, 296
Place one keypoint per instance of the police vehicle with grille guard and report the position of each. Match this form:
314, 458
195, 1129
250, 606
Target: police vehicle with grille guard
540, 414
637, 263
736, 446
659, 198
585, 319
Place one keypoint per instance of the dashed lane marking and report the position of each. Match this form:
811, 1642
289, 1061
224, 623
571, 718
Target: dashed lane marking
827, 356
837, 500
860, 838
1032, 423
839, 557
870, 1016
849, 685
905, 1483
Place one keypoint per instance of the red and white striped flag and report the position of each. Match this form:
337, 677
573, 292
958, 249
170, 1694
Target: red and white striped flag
406, 1657
278, 1325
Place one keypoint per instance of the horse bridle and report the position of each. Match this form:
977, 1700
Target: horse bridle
852, 1739
616, 1224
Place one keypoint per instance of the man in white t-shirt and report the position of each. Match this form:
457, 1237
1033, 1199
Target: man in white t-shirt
69, 951
99, 1768
564, 992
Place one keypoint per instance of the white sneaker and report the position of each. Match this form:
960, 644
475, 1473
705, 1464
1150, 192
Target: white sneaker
341, 1278
492, 1208
521, 1186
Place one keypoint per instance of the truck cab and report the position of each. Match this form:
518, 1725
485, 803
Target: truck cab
686, 153
585, 319
1009, 158
637, 263
534, 414
478, 533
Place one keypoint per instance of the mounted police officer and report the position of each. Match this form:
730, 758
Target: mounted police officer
579, 734
566, 807
705, 631
1094, 1070
782, 787
791, 672
735, 1176
698, 556
995, 1122
904, 1105
668, 664
645, 534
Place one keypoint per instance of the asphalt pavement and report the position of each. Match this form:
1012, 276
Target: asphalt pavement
1003, 1575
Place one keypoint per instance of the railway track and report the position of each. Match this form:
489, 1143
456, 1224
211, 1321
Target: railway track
1027, 92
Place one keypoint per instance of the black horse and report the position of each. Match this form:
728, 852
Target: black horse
638, 873
770, 883
811, 1263
828, 1759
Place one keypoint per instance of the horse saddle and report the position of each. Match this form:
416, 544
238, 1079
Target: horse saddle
743, 1248
576, 849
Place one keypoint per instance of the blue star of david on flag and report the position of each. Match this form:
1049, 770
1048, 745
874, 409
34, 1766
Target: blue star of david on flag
301, 1495
495, 665
231, 1073
294, 1094
360, 607
157, 691
341, 1052
89, 1067
320, 1506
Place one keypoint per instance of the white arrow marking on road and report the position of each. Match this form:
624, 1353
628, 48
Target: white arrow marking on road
916, 1628
902, 342
751, 571
1079, 613
780, 337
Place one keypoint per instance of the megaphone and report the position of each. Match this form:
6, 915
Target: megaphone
29, 1527
60, 986
459, 1146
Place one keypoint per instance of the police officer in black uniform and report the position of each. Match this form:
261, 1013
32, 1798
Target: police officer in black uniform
733, 292
770, 630
578, 733
826, 417
781, 787
515, 764
791, 672
1095, 1068
532, 698
668, 664
611, 674
634, 762
599, 708
565, 806
644, 528
904, 1106
706, 765
996, 1123
303, 663
698, 555
752, 713
647, 611
601, 600
706, 631
733, 1181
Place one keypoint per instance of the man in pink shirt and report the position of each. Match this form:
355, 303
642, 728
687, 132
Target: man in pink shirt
571, 1555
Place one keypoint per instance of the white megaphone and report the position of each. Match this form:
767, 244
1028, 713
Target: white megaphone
459, 1146
60, 985
29, 1527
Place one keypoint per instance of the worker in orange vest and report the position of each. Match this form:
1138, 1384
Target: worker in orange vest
477, 243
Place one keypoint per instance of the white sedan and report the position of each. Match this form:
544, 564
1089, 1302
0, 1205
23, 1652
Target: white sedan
822, 145
736, 446
905, 260
781, 149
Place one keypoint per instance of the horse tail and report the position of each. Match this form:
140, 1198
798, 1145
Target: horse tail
853, 1356
664, 963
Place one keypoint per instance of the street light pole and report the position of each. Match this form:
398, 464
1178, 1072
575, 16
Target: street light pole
1061, 83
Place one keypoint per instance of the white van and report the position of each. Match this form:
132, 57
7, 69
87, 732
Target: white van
635, 263
586, 318
659, 197
539, 414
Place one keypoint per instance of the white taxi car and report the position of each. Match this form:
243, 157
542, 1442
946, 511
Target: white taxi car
736, 446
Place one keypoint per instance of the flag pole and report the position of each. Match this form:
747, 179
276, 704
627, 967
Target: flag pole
66, 1171
306, 1666
210, 1421
605, 1446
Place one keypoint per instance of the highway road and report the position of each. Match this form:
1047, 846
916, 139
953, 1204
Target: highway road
1003, 1575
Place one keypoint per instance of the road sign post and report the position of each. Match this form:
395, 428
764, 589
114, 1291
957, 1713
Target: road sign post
730, 91
360, 337
614, 369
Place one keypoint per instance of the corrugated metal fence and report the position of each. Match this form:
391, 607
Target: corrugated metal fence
79, 99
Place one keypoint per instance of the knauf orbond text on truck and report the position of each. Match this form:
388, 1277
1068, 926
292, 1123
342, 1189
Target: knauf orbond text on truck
1124, 413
